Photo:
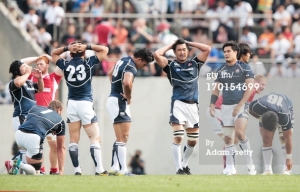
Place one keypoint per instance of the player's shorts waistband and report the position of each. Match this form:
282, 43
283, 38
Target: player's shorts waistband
26, 131
189, 101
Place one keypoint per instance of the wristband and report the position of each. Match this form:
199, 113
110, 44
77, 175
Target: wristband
288, 156
213, 99
66, 48
88, 47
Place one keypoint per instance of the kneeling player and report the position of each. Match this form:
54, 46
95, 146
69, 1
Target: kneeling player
31, 134
275, 110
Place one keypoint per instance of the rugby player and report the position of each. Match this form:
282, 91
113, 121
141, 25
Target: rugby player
183, 74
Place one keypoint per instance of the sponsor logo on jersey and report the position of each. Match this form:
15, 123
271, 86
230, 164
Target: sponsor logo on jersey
176, 65
188, 69
122, 113
30, 88
46, 89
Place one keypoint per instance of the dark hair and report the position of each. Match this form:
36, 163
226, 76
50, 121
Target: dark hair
77, 54
269, 121
243, 50
179, 42
14, 68
231, 44
144, 54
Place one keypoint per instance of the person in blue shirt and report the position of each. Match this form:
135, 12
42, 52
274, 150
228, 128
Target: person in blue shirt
117, 105
39, 122
183, 74
80, 110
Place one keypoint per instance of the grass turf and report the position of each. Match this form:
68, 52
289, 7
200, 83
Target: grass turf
151, 183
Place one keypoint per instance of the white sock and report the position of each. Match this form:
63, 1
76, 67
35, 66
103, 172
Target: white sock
28, 169
245, 145
115, 163
96, 156
176, 152
283, 151
268, 156
229, 150
187, 152
121, 155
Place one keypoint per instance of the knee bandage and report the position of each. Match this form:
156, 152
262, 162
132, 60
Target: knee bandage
93, 133
179, 133
192, 136
229, 132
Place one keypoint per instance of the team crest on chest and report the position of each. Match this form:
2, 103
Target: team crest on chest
237, 70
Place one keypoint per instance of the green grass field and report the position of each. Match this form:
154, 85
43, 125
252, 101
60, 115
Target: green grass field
151, 183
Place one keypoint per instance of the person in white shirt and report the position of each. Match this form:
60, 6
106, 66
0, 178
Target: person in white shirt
282, 17
296, 27
44, 38
293, 71
243, 12
31, 17
257, 66
280, 47
224, 12
213, 18
249, 38
278, 71
54, 16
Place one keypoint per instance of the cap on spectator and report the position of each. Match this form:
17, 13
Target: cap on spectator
163, 26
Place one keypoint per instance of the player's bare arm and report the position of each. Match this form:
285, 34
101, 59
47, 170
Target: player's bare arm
127, 82
249, 83
205, 50
20, 80
214, 97
29, 60
101, 51
159, 57
38, 74
61, 150
55, 54
288, 147
254, 114
109, 74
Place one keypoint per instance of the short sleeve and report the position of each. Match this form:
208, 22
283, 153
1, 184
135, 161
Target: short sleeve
93, 60
57, 78
248, 72
197, 61
61, 129
130, 69
12, 86
61, 63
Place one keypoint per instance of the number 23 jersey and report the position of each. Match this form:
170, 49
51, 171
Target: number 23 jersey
78, 74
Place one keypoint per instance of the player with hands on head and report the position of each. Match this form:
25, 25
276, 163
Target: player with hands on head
80, 111
183, 74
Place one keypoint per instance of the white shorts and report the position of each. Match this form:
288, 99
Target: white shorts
31, 142
227, 118
184, 114
81, 111
215, 122
17, 121
119, 111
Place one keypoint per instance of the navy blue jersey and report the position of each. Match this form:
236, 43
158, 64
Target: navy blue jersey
125, 64
23, 97
184, 78
278, 103
42, 121
232, 80
78, 75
